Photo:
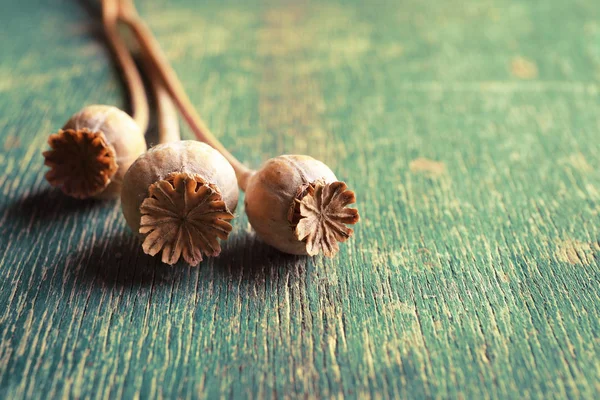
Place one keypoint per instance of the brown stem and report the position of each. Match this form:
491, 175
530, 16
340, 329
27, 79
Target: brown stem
168, 121
139, 101
147, 41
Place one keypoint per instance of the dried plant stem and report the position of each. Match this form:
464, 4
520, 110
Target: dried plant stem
168, 121
149, 44
139, 101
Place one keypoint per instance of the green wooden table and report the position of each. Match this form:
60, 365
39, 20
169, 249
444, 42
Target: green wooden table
470, 131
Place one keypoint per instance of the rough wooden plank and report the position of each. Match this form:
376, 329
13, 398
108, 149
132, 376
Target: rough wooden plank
469, 131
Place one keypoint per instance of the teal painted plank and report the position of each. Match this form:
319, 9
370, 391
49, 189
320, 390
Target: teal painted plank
469, 131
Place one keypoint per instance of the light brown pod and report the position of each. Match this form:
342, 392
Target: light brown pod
296, 204
89, 156
180, 197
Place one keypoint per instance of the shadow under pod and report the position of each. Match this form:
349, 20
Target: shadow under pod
118, 261
247, 258
41, 207
118, 258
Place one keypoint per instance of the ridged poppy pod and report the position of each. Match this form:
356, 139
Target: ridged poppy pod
179, 197
89, 156
296, 204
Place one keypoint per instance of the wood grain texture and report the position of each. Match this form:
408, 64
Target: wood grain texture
470, 133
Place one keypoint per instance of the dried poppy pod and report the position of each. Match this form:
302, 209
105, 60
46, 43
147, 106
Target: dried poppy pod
180, 197
89, 156
296, 204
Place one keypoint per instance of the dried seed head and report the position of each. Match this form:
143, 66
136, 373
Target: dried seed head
89, 156
81, 162
297, 205
183, 216
180, 197
324, 215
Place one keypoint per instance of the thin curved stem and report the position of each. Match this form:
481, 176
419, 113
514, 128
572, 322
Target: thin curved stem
168, 121
135, 85
129, 15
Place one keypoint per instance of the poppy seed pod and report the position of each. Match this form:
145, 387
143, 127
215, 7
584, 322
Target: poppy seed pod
180, 197
296, 204
89, 156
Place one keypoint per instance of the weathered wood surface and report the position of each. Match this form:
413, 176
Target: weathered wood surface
470, 131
